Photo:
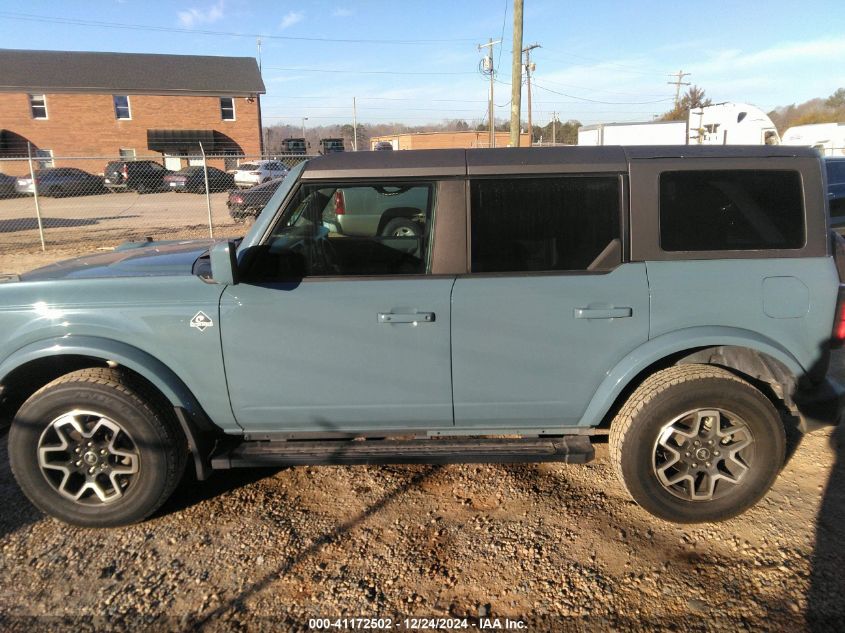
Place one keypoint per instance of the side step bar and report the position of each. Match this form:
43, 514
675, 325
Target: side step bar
573, 449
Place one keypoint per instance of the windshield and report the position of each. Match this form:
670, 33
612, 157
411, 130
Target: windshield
253, 236
248, 167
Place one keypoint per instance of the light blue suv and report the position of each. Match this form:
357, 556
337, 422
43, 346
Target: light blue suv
682, 299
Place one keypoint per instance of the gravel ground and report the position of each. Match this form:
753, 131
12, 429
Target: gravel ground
559, 547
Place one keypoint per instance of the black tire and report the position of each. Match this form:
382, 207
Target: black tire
401, 227
143, 416
141, 188
639, 437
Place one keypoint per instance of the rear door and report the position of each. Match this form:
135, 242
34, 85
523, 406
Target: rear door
550, 306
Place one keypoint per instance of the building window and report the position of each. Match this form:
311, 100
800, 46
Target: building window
121, 107
44, 157
127, 152
38, 106
227, 108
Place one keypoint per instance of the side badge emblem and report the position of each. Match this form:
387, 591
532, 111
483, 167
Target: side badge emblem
201, 321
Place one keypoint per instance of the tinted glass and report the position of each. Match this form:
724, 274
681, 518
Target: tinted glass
336, 230
248, 167
731, 210
835, 171
543, 224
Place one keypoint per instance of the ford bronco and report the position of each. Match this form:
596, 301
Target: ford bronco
682, 299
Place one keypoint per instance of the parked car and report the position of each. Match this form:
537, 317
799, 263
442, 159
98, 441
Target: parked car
382, 146
142, 176
253, 173
192, 179
8, 186
685, 298
375, 210
331, 145
61, 181
836, 190
247, 203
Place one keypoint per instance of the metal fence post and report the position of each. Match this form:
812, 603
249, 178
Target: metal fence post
207, 193
35, 196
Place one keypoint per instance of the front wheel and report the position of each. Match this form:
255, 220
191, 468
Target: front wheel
696, 443
96, 449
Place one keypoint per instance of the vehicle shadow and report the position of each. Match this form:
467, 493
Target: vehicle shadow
192, 491
826, 595
14, 225
17, 512
313, 546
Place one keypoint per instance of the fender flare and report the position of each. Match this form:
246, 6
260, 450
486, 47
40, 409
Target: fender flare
673, 343
139, 361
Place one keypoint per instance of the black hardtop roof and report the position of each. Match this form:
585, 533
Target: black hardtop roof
524, 160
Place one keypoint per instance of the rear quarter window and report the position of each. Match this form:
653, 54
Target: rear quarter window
731, 210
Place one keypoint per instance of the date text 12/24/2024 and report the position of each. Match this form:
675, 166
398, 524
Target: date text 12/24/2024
416, 624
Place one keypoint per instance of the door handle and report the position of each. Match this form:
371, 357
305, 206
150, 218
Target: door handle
602, 313
416, 317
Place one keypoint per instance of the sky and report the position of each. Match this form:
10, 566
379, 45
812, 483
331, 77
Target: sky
416, 61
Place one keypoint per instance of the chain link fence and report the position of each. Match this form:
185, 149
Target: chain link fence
52, 208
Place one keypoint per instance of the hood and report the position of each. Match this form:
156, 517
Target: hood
150, 260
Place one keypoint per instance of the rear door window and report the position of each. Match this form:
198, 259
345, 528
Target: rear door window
731, 210
545, 224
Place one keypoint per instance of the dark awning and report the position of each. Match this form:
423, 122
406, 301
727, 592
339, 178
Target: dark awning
175, 141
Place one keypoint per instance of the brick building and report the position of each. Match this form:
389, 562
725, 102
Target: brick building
444, 140
88, 104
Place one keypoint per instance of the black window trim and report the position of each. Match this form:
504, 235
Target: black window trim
294, 193
622, 179
645, 198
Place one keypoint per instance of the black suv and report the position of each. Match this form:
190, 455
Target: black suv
140, 175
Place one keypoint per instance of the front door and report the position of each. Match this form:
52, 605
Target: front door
340, 332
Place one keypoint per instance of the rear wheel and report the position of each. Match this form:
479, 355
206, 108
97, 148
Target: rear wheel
696, 443
96, 449
401, 227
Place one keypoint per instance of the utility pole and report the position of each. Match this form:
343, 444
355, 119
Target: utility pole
516, 73
529, 67
354, 126
678, 83
258, 44
554, 128
488, 69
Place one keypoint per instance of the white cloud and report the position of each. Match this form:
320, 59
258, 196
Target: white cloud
822, 50
195, 16
292, 18
342, 12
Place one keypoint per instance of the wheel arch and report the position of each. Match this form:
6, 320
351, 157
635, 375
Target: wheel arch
392, 213
39, 363
750, 355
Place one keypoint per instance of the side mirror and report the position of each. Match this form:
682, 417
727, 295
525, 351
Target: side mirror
224, 263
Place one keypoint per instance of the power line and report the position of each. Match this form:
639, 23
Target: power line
29, 17
678, 83
622, 67
598, 101
367, 72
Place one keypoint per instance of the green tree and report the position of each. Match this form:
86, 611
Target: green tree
836, 100
694, 98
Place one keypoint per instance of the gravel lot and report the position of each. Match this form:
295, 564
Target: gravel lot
86, 223
560, 547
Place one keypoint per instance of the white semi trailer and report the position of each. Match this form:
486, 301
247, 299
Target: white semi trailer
828, 138
721, 124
